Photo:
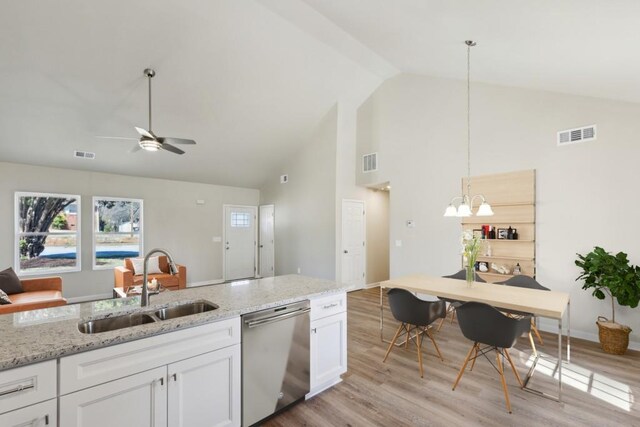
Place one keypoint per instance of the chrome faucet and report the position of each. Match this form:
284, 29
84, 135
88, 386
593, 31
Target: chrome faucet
173, 269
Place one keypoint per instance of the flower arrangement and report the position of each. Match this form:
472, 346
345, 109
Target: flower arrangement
470, 249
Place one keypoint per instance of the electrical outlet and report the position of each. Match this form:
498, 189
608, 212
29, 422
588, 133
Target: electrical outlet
217, 239
299, 270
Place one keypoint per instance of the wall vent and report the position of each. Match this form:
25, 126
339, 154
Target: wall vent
575, 136
84, 155
370, 162
284, 179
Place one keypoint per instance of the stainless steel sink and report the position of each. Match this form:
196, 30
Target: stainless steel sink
188, 309
114, 323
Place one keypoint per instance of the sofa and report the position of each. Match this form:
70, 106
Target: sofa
124, 276
38, 293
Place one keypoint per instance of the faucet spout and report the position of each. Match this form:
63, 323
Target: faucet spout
173, 269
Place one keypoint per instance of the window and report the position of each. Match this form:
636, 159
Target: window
240, 219
47, 233
117, 231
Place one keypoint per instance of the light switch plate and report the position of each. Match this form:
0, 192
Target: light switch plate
398, 243
217, 239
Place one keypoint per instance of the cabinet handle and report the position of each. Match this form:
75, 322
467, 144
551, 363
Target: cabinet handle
335, 304
161, 381
46, 420
314, 330
175, 377
17, 389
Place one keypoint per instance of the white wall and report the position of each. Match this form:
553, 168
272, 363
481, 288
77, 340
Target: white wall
305, 206
377, 209
172, 220
586, 194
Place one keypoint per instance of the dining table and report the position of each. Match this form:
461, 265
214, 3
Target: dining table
549, 304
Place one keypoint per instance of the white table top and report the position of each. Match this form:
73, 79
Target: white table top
551, 304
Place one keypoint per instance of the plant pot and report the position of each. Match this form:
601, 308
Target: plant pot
614, 337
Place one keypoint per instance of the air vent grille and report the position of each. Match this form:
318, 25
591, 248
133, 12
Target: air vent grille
84, 155
370, 162
574, 136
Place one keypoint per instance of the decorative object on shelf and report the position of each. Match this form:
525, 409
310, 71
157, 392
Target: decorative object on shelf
488, 251
515, 234
500, 269
517, 269
612, 275
502, 233
482, 266
510, 233
492, 232
479, 233
470, 250
466, 200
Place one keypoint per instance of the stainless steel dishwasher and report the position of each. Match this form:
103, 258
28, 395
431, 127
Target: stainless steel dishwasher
275, 360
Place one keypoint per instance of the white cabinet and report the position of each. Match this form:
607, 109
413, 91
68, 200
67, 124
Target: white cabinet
44, 414
137, 400
27, 385
328, 342
204, 391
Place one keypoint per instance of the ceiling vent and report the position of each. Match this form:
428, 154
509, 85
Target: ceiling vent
370, 162
84, 155
575, 136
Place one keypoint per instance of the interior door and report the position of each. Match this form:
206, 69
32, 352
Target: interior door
267, 248
353, 242
240, 242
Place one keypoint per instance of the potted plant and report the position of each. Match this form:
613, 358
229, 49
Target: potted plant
613, 275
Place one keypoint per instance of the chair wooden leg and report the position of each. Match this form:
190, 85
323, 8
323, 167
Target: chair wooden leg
393, 342
504, 383
535, 331
419, 348
453, 316
464, 366
406, 343
441, 322
513, 367
533, 345
473, 362
435, 344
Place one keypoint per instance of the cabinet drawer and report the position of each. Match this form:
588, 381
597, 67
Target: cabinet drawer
38, 415
27, 385
328, 305
110, 363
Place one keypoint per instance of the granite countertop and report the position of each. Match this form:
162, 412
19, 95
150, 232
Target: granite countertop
38, 335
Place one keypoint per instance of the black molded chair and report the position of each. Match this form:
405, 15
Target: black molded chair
522, 281
414, 315
486, 325
460, 275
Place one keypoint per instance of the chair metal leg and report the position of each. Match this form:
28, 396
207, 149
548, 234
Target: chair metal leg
504, 383
435, 344
464, 366
473, 362
533, 345
453, 316
513, 367
419, 348
393, 341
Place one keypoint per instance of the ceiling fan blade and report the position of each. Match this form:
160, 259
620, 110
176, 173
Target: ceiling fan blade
145, 133
126, 138
171, 148
135, 148
177, 141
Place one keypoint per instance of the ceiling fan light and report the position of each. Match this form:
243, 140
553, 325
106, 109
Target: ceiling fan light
149, 144
450, 211
464, 210
485, 210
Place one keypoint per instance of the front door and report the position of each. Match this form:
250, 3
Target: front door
267, 267
240, 242
353, 242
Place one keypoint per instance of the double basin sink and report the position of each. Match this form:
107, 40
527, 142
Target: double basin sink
137, 318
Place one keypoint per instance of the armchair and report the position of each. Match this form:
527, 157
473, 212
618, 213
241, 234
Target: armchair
124, 276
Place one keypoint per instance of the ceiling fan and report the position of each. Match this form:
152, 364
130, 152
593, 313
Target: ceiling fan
150, 141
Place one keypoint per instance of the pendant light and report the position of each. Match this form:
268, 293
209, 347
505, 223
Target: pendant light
465, 208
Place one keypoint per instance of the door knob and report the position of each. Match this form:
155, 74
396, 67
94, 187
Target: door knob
262, 246
346, 251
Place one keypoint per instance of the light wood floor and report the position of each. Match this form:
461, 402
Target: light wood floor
599, 390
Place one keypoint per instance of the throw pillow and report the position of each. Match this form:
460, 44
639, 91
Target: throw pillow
9, 282
4, 299
153, 265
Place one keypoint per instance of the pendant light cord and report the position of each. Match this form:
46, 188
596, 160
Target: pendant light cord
149, 78
469, 118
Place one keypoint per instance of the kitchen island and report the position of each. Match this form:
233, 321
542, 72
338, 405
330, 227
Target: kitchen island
43, 352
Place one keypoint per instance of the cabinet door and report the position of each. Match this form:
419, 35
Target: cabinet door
139, 400
328, 350
38, 415
205, 390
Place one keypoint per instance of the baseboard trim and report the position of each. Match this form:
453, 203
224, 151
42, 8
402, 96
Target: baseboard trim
89, 298
322, 388
205, 283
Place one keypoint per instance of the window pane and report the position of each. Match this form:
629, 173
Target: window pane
240, 219
117, 230
48, 230
113, 248
118, 215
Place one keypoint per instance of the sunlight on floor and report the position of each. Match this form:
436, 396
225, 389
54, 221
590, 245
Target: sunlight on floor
600, 386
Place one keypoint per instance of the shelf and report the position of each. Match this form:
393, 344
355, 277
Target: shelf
508, 258
506, 276
507, 240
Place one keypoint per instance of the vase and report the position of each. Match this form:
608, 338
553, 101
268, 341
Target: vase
470, 275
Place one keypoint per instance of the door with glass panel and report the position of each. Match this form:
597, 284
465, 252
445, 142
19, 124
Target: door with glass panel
240, 242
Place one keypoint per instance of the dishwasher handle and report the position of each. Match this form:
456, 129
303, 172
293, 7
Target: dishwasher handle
276, 318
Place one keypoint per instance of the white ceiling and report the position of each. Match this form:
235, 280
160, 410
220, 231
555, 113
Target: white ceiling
250, 79
585, 47
245, 83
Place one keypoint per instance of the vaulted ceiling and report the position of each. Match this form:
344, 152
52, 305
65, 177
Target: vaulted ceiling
250, 79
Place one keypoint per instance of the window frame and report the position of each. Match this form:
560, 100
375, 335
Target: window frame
94, 232
17, 233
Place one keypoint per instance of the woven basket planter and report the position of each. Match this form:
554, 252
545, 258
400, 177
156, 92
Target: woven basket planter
614, 337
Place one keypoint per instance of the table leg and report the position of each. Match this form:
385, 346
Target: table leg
560, 360
569, 331
381, 317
